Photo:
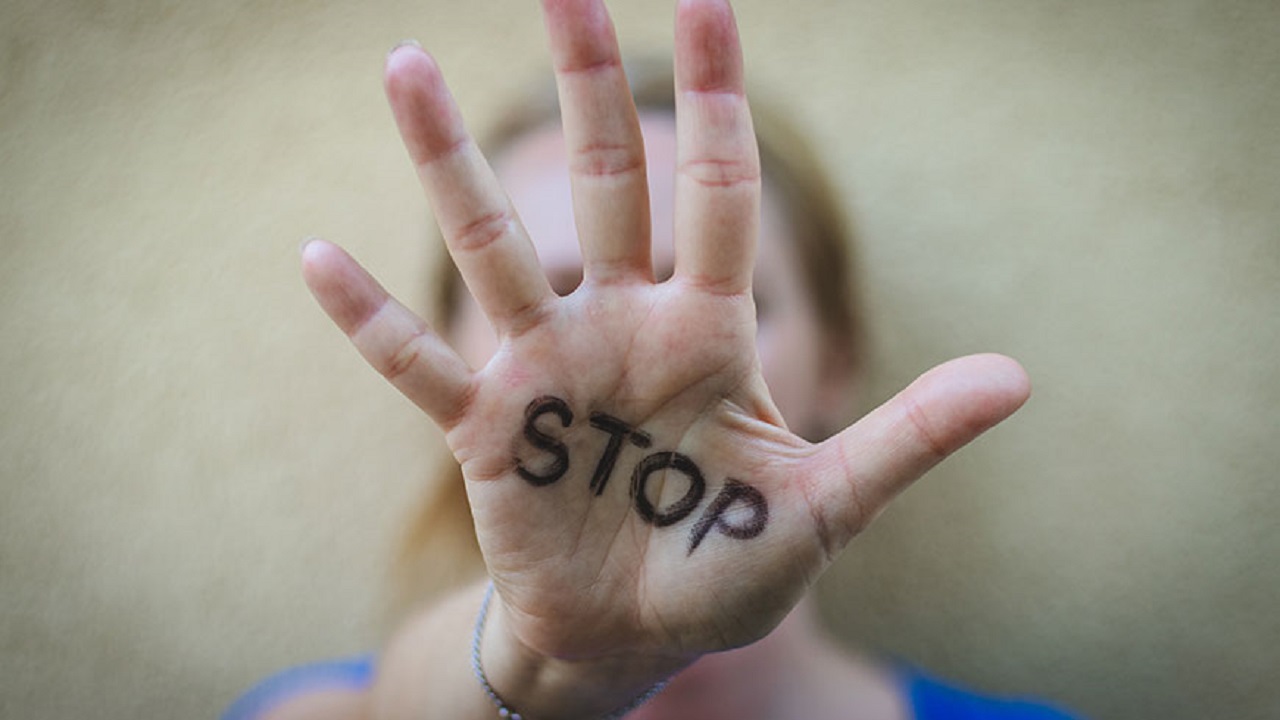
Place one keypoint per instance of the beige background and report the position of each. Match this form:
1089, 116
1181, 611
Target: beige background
201, 482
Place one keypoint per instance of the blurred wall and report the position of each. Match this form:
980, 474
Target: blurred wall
200, 482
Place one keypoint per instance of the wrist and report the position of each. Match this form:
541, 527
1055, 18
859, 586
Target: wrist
539, 686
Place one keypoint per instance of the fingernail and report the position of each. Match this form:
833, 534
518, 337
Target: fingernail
302, 246
408, 42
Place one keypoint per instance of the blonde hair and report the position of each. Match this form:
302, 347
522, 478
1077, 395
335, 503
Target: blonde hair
439, 548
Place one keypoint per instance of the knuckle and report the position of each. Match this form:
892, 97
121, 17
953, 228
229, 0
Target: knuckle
443, 149
828, 543
924, 432
404, 357
721, 172
483, 231
858, 513
607, 160
609, 62
526, 316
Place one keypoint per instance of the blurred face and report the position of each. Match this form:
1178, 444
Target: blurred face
792, 350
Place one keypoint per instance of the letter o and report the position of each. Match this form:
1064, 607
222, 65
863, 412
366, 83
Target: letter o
682, 507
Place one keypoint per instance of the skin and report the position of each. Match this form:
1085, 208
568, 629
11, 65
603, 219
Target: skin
807, 375
593, 604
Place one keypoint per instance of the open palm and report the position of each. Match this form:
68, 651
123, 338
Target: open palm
634, 488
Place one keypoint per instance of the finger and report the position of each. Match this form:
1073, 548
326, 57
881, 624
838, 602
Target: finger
860, 470
718, 174
602, 135
395, 341
490, 247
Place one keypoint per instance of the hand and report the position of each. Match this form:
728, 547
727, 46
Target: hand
636, 493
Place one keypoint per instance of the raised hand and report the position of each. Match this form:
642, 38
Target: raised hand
636, 494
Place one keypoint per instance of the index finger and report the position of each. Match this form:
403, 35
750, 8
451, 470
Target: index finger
485, 237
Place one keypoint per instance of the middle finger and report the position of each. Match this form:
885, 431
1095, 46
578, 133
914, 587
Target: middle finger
603, 140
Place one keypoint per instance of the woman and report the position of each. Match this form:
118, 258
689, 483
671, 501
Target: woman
644, 512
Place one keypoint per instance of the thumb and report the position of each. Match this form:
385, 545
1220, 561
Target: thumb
860, 470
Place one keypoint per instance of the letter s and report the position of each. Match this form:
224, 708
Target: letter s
556, 470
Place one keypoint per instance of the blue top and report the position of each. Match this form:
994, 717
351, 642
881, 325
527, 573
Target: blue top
354, 673
930, 699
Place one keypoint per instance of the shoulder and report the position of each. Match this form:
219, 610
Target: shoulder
932, 699
331, 689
